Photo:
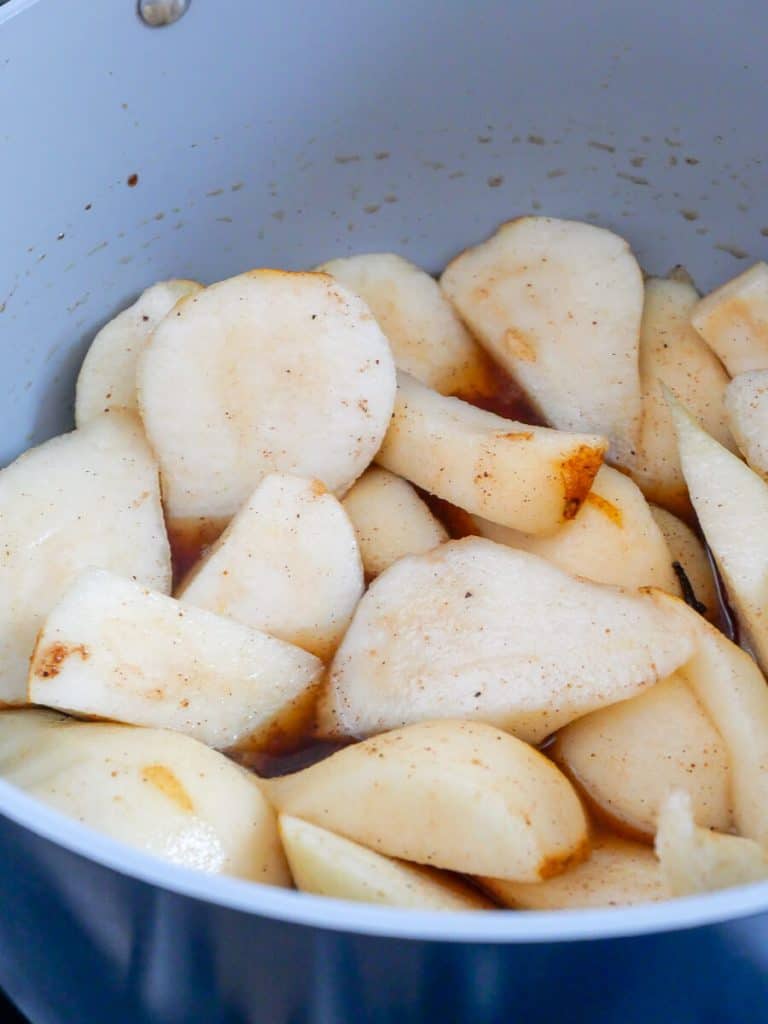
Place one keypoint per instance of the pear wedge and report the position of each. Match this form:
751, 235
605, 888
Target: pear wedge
747, 403
733, 320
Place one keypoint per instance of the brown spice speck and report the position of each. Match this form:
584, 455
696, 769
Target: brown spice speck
132, 180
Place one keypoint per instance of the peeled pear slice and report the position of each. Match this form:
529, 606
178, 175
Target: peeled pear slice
612, 539
733, 692
107, 379
628, 756
329, 865
112, 649
733, 320
476, 630
428, 339
89, 498
687, 550
695, 859
457, 795
268, 371
529, 478
731, 502
618, 873
161, 792
288, 564
747, 403
390, 520
558, 303
673, 354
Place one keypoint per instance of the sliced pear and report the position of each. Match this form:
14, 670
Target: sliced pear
390, 520
613, 538
457, 795
529, 478
731, 502
733, 692
288, 564
687, 550
733, 320
112, 649
673, 354
161, 792
428, 339
268, 371
329, 865
627, 757
476, 630
558, 303
694, 859
89, 498
618, 873
747, 403
107, 379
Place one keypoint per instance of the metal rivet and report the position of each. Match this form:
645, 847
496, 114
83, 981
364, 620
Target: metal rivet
157, 13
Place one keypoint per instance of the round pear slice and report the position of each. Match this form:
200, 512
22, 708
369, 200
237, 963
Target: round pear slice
747, 403
687, 550
268, 371
428, 339
161, 792
612, 539
390, 520
731, 502
89, 498
107, 379
529, 478
558, 303
733, 320
329, 865
457, 795
476, 630
627, 757
112, 649
695, 859
288, 564
673, 354
617, 873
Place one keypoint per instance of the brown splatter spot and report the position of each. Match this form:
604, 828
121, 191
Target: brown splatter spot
689, 214
495, 181
520, 344
536, 140
132, 180
558, 863
162, 778
608, 509
604, 146
49, 660
733, 250
635, 179
637, 161
518, 435
577, 472
351, 158
372, 207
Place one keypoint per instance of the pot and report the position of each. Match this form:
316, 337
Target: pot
283, 134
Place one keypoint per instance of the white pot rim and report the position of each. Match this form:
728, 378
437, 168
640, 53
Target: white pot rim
338, 915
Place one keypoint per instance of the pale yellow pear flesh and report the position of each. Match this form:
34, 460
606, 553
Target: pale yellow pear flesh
612, 539
695, 859
731, 502
456, 795
390, 520
529, 478
329, 865
628, 756
158, 791
733, 320
686, 549
114, 650
673, 354
288, 564
476, 630
747, 403
427, 338
617, 873
89, 498
266, 372
558, 303
107, 379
